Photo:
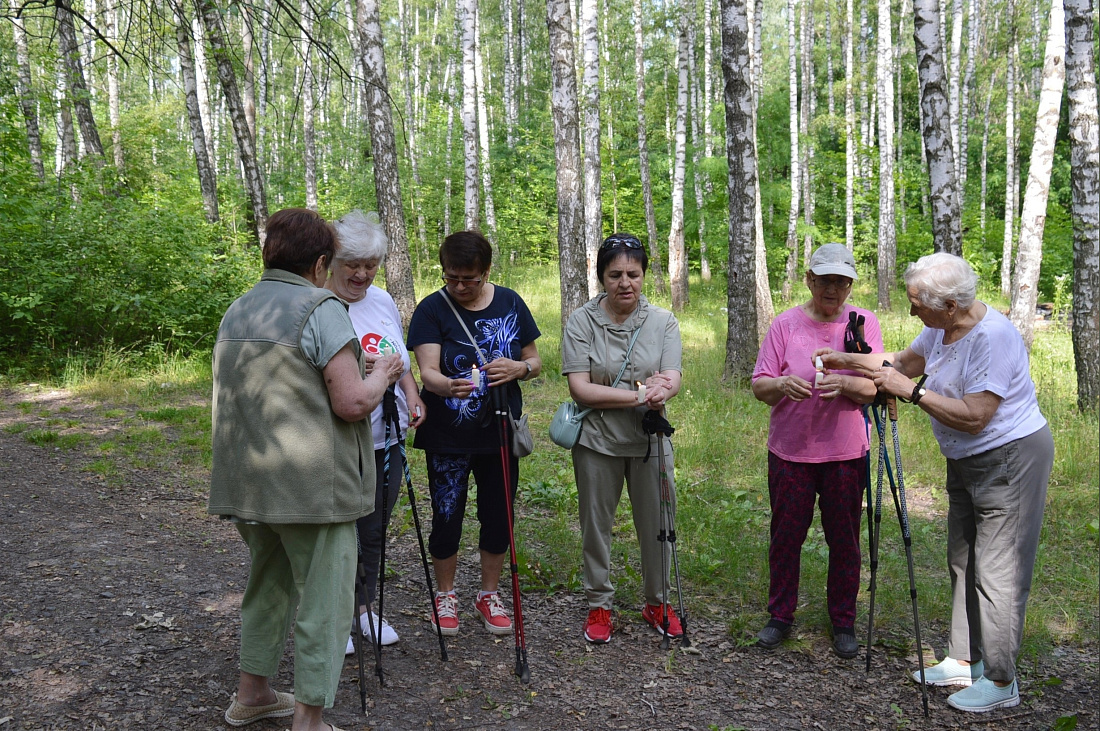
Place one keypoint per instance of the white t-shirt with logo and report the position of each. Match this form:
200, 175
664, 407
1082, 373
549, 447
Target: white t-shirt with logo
377, 323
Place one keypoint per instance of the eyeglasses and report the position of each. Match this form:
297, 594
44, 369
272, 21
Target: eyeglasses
838, 283
462, 281
624, 240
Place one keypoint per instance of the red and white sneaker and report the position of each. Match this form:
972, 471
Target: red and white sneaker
493, 614
653, 614
597, 628
446, 605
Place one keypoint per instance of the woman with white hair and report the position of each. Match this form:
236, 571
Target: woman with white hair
361, 248
978, 391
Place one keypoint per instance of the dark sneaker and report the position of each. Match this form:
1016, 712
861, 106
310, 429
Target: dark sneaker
447, 607
654, 614
845, 645
773, 634
597, 628
493, 614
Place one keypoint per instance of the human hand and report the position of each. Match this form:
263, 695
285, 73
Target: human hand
369, 359
830, 358
418, 412
794, 388
831, 386
892, 383
459, 388
390, 367
502, 370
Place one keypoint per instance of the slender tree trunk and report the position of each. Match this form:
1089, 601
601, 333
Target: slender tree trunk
985, 152
677, 250
114, 103
887, 234
208, 182
953, 80
609, 99
26, 97
697, 173
966, 99
253, 181
1011, 176
765, 310
65, 152
807, 86
412, 131
387, 182
510, 76
708, 82
590, 91
467, 14
796, 173
829, 79
849, 131
202, 81
1084, 136
935, 119
899, 128
741, 342
309, 139
483, 139
451, 99
78, 90
866, 110
567, 154
643, 151
1025, 288
248, 63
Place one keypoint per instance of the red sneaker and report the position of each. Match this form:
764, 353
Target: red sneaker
493, 614
597, 628
653, 614
447, 607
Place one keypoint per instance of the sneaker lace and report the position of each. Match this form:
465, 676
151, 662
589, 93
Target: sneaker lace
599, 616
496, 606
446, 605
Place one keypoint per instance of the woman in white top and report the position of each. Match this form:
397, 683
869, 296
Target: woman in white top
981, 399
361, 248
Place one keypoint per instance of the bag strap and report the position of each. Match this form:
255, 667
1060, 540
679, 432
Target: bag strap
447, 299
626, 361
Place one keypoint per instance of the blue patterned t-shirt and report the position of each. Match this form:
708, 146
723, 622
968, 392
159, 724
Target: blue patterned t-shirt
502, 329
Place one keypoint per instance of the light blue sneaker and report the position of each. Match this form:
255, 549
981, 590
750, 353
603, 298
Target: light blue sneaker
950, 672
984, 695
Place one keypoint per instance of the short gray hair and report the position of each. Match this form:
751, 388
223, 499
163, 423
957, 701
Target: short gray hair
940, 277
360, 236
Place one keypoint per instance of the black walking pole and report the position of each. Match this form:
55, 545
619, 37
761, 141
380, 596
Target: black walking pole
875, 530
393, 425
654, 423
501, 400
360, 596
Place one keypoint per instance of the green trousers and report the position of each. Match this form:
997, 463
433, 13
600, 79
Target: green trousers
302, 576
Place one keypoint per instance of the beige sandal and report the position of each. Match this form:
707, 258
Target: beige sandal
241, 715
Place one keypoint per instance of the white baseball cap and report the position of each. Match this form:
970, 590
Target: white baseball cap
833, 259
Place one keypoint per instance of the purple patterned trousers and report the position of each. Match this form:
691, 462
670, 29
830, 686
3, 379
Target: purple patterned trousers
793, 488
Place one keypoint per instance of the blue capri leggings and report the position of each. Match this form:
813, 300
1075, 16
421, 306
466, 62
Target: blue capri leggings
449, 485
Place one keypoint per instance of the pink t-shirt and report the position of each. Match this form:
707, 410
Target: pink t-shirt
813, 430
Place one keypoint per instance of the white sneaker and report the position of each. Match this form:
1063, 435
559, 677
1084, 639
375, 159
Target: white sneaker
389, 635
350, 649
984, 695
951, 672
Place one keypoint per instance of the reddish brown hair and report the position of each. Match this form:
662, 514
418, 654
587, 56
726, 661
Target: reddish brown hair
296, 238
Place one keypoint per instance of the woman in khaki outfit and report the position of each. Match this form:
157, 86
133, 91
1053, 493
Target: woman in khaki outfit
613, 446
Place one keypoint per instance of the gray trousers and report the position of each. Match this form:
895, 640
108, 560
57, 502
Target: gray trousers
995, 511
599, 488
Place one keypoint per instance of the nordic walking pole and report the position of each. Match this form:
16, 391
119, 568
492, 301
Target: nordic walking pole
883, 463
360, 595
523, 671
903, 519
423, 552
870, 528
392, 421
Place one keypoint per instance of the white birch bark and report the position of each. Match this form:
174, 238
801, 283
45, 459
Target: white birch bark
208, 182
1029, 255
849, 130
697, 173
954, 78
806, 86
114, 102
796, 173
78, 89
608, 94
708, 81
25, 91
765, 310
741, 341
248, 64
65, 151
643, 151
984, 171
387, 182
309, 138
1084, 136
935, 121
677, 249
887, 234
449, 150
483, 139
202, 81
567, 155
966, 98
1011, 176
510, 75
830, 99
467, 16
590, 93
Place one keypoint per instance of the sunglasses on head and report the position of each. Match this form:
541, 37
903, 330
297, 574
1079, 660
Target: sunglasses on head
624, 240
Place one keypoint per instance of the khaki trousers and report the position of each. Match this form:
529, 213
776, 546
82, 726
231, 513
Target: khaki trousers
302, 575
599, 488
995, 511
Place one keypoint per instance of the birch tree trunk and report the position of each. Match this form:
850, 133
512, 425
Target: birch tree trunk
796, 173
467, 17
65, 150
677, 250
807, 86
849, 131
511, 112
309, 139
74, 70
887, 234
765, 310
387, 182
253, 181
966, 99
248, 64
208, 182
741, 341
697, 173
1025, 287
25, 91
449, 160
410, 66
567, 155
953, 81
483, 138
708, 84
935, 120
202, 86
590, 91
643, 151
1011, 176
1084, 129
985, 154
114, 103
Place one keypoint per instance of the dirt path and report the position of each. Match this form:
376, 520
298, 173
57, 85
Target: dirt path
118, 609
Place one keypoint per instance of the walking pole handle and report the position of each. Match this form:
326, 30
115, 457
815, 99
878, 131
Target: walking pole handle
892, 407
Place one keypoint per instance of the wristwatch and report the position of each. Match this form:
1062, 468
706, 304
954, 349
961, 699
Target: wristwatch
918, 391
529, 370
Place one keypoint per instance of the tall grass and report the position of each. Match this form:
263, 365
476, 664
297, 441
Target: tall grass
721, 477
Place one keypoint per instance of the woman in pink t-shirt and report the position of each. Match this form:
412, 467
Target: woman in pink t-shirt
817, 440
